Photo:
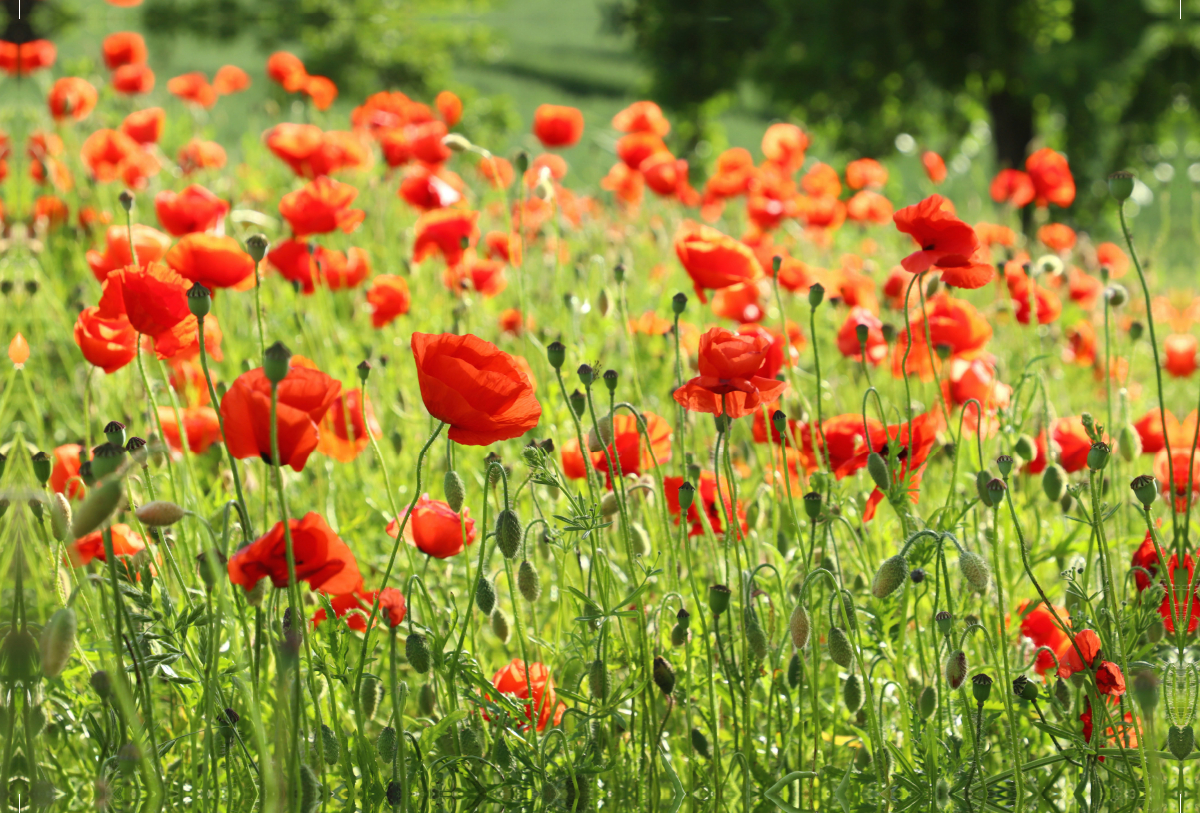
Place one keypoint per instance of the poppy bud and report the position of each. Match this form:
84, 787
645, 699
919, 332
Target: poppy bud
1025, 448
1054, 482
1180, 741
982, 479
101, 684
453, 490
416, 649
60, 516
529, 583
664, 676
370, 692
1145, 488
700, 742
1145, 690
877, 467
364, 371
975, 570
58, 640
816, 295
1117, 295
848, 606
310, 790
756, 639
493, 472
840, 651
329, 745
508, 533
578, 403
800, 627
927, 702
1120, 185
500, 626
812, 504
276, 362
126, 200
136, 447
107, 459
114, 433
1129, 443
718, 599
521, 161
956, 668
385, 744
256, 247
41, 467
199, 300
687, 493
598, 679
100, 503
501, 754
159, 514
1136, 329
862, 333
256, 594
35, 505
1025, 688
852, 694
394, 793
795, 670
212, 563
601, 435
981, 687
890, 576
485, 596
1097, 457
679, 303
426, 700
586, 374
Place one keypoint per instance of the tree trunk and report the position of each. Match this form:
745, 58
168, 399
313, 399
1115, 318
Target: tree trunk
1012, 128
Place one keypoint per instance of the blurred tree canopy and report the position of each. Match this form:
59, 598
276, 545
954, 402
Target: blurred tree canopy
1093, 78
363, 45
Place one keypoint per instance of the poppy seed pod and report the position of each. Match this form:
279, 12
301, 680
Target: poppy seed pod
136, 447
114, 433
679, 635
394, 793
598, 679
664, 676
1054, 482
1097, 456
840, 651
877, 467
927, 702
812, 504
42, 467
996, 488
276, 362
610, 380
101, 684
800, 627
1136, 329
508, 533
1145, 488
485, 596
107, 459
586, 374
58, 641
385, 744
1120, 185
687, 493
679, 303
1117, 295
956, 668
852, 694
256, 246
1004, 463
126, 200
917, 575
416, 649
556, 354
975, 570
578, 403
981, 687
718, 599
890, 576
454, 490
529, 583
848, 608
862, 333
199, 301
1180, 741
816, 295
159, 514
779, 421
756, 639
1025, 688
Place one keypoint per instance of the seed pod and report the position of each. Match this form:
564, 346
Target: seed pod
60, 516
956, 668
416, 649
101, 684
472, 745
812, 504
944, 621
679, 635
852, 694
1097, 457
800, 626
501, 754
99, 505
718, 598
700, 742
330, 745
58, 641
917, 575
598, 679
1180, 741
508, 533
529, 583
1129, 443
454, 490
385, 745
756, 639
840, 651
159, 514
975, 571
500, 626
310, 787
1054, 482
1145, 488
981, 687
369, 694
795, 671
927, 702
1005, 464
664, 675
426, 700
1025, 688
981, 488
877, 467
1062, 694
395, 793
485, 596
890, 576
19, 656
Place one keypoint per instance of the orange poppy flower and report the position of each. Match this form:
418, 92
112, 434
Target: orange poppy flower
145, 126
1179, 434
1111, 256
732, 175
124, 48
821, 181
1081, 344
1057, 236
636, 147
133, 79
945, 243
485, 277
125, 542
149, 243
443, 231
107, 342
304, 397
498, 172
321, 206
153, 296
1051, 178
784, 144
863, 173
431, 187
64, 476
200, 422
1179, 350
502, 246
342, 432
230, 79
287, 70
476, 388
712, 259
740, 302
515, 680
449, 106
16, 60
730, 381
214, 262
642, 117
1012, 186
424, 142
321, 558
706, 500
847, 337
1186, 471
627, 185
311, 152
953, 322
342, 271
193, 87
869, 207
195, 209
935, 167
321, 90
1049, 306
71, 97
436, 529
356, 608
667, 176
557, 125
106, 152
51, 211
628, 449
545, 165
975, 379
197, 154
1073, 443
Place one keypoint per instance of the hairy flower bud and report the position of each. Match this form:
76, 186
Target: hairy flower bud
664, 676
800, 627
1054, 482
159, 514
840, 651
956, 668
877, 467
416, 649
508, 533
890, 576
529, 583
975, 570
58, 641
454, 490
485, 596
852, 694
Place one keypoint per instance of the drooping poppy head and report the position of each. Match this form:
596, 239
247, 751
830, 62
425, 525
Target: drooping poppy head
304, 396
321, 558
476, 388
557, 125
214, 262
195, 209
321, 206
1051, 178
436, 529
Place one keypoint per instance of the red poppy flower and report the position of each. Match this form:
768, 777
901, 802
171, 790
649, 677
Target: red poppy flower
1081, 344
429, 187
389, 298
436, 529
975, 379
1146, 557
515, 680
1186, 471
199, 422
1040, 627
356, 608
1179, 434
935, 167
321, 206
193, 87
230, 79
730, 381
642, 117
50, 211
1051, 178
145, 126
214, 262
946, 243
627, 185
993, 234
503, 246
557, 125
133, 80
847, 337
195, 209
479, 390
955, 323
869, 207
1109, 679
304, 397
1012, 186
26, 57
449, 106
1180, 352
866, 172
312, 153
636, 147
64, 476
821, 181
443, 231
321, 558
784, 144
741, 302
1073, 443
183, 340
1049, 306
628, 450
321, 90
125, 542
153, 297
1057, 236
915, 440
1176, 601
1111, 256
342, 433
706, 500
107, 342
1087, 642
714, 260
498, 172
197, 154
342, 271
1128, 736
124, 48
486, 277
287, 70
106, 153
71, 97
667, 176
